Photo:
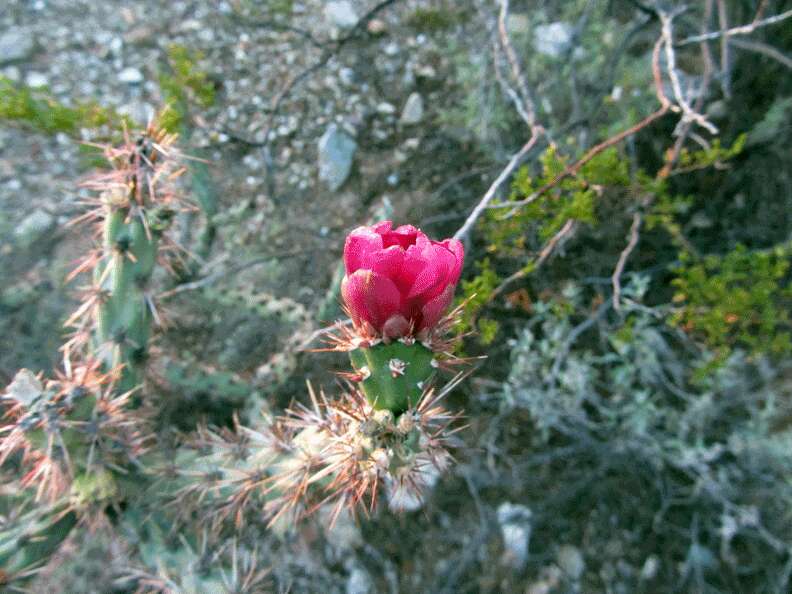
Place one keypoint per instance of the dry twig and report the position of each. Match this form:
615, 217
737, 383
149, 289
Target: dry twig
631, 243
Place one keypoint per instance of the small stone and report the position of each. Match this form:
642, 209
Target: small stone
336, 153
391, 49
16, 44
376, 27
650, 567
553, 39
413, 110
515, 523
426, 71
518, 24
131, 76
25, 387
386, 108
346, 76
359, 582
570, 560
36, 80
34, 226
341, 13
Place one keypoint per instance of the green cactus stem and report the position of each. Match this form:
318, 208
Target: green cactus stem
131, 236
31, 542
393, 376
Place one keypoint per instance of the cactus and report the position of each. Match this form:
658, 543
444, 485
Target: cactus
136, 203
31, 541
393, 376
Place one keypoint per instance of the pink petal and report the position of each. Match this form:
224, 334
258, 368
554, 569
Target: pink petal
434, 278
382, 227
455, 247
403, 236
412, 266
387, 262
358, 247
435, 308
370, 297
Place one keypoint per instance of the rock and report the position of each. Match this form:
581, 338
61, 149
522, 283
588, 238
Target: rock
34, 226
386, 108
336, 152
518, 24
413, 109
553, 39
341, 13
359, 581
571, 562
131, 76
376, 27
346, 76
16, 44
25, 387
650, 568
36, 80
392, 49
515, 523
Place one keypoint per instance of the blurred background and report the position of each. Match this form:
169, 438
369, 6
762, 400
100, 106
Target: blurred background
630, 428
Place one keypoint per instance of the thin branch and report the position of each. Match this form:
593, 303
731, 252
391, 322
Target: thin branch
743, 30
463, 231
764, 49
617, 273
688, 113
665, 105
523, 102
546, 252
723, 19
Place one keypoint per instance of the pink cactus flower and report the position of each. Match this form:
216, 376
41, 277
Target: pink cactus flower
399, 281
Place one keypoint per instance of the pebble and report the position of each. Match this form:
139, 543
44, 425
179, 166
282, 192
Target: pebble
376, 27
34, 226
341, 13
36, 80
16, 44
571, 562
515, 523
386, 108
553, 39
131, 76
336, 153
413, 109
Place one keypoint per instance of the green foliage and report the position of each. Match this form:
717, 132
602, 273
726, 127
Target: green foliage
185, 84
647, 459
477, 292
739, 299
689, 160
36, 108
432, 20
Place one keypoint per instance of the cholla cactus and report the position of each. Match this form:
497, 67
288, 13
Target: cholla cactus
388, 431
135, 204
77, 439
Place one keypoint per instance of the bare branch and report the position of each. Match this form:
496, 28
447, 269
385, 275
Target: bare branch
631, 243
544, 254
743, 30
764, 49
523, 101
688, 113
665, 105
504, 175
